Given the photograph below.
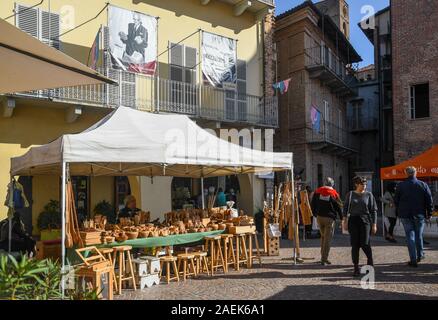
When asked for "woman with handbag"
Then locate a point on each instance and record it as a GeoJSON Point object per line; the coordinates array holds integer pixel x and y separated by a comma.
{"type": "Point", "coordinates": [390, 212]}
{"type": "Point", "coordinates": [360, 217]}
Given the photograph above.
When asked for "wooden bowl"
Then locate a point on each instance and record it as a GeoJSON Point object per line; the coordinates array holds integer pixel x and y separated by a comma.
{"type": "Point", "coordinates": [143, 234]}
{"type": "Point", "coordinates": [222, 226]}
{"type": "Point", "coordinates": [215, 227]}
{"type": "Point", "coordinates": [132, 235]}
{"type": "Point", "coordinates": [122, 238]}
{"type": "Point", "coordinates": [109, 239]}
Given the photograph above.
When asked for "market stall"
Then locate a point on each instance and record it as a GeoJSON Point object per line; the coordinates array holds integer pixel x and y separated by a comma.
{"type": "Point", "coordinates": [427, 169]}
{"type": "Point", "coordinates": [133, 143]}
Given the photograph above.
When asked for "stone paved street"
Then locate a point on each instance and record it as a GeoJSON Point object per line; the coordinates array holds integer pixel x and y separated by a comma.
{"type": "Point", "coordinates": [279, 279]}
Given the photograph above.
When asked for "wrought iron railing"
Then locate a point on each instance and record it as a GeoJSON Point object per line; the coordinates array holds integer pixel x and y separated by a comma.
{"type": "Point", "coordinates": [333, 134]}
{"type": "Point", "coordinates": [153, 94]}
{"type": "Point", "coordinates": [322, 56]}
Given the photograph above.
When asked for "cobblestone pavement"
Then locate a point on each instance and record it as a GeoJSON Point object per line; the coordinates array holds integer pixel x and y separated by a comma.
{"type": "Point", "coordinates": [279, 279]}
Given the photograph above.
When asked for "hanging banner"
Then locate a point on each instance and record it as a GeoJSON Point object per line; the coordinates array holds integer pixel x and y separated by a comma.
{"type": "Point", "coordinates": [219, 60]}
{"type": "Point", "coordinates": [133, 40]}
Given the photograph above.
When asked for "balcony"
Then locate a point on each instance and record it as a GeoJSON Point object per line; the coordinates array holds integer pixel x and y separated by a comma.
{"type": "Point", "coordinates": [152, 94]}
{"type": "Point", "coordinates": [332, 139]}
{"type": "Point", "coordinates": [322, 64]}
{"type": "Point", "coordinates": [362, 124]}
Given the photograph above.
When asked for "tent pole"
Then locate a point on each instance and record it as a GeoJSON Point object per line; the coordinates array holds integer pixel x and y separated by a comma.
{"type": "Point", "coordinates": [202, 193]}
{"type": "Point", "coordinates": [293, 212]}
{"type": "Point", "coordinates": [63, 209]}
{"type": "Point", "coordinates": [383, 208]}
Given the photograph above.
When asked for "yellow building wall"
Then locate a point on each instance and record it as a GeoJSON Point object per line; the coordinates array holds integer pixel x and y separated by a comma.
{"type": "Point", "coordinates": [177, 20]}
{"type": "Point", "coordinates": [34, 123]}
{"type": "Point", "coordinates": [31, 125]}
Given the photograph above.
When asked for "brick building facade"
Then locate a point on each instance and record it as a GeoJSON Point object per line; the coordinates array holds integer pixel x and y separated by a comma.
{"type": "Point", "coordinates": [315, 54]}
{"type": "Point", "coordinates": [415, 76]}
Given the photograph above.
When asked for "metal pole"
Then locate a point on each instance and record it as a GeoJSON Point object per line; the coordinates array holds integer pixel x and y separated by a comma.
{"type": "Point", "coordinates": [63, 209]}
{"type": "Point", "coordinates": [383, 208]}
{"type": "Point", "coordinates": [293, 211]}
{"type": "Point", "coordinates": [202, 193]}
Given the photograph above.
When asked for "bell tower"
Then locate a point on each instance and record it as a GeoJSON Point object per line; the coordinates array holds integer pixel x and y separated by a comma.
{"type": "Point", "coordinates": [339, 11]}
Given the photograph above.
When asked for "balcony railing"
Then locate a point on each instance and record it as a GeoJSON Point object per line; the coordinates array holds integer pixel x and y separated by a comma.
{"type": "Point", "coordinates": [331, 135]}
{"type": "Point", "coordinates": [149, 93]}
{"type": "Point", "coordinates": [363, 123]}
{"type": "Point", "coordinates": [324, 64]}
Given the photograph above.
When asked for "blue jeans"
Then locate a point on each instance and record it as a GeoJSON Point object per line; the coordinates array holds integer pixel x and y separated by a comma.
{"type": "Point", "coordinates": [414, 228]}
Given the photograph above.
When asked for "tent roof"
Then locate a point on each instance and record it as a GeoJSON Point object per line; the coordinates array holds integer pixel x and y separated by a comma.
{"type": "Point", "coordinates": [426, 164]}
{"type": "Point", "coordinates": [131, 142]}
{"type": "Point", "coordinates": [28, 64]}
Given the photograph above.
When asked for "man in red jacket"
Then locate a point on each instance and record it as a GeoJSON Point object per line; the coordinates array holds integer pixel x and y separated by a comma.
{"type": "Point", "coordinates": [326, 206]}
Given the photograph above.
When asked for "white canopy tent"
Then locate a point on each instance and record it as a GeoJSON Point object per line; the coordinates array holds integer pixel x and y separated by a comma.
{"type": "Point", "coordinates": [136, 143]}
{"type": "Point", "coordinates": [131, 142]}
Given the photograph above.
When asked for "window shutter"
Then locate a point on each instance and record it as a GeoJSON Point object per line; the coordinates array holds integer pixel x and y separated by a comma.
{"type": "Point", "coordinates": [242, 104]}
{"type": "Point", "coordinates": [190, 64]}
{"type": "Point", "coordinates": [28, 20]}
{"type": "Point", "coordinates": [50, 29]}
{"type": "Point", "coordinates": [106, 47]}
{"type": "Point", "coordinates": [176, 55]}
{"type": "Point", "coordinates": [128, 89]}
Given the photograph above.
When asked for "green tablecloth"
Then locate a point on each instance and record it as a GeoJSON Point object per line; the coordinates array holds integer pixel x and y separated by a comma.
{"type": "Point", "coordinates": [164, 241]}
{"type": "Point", "coordinates": [174, 240]}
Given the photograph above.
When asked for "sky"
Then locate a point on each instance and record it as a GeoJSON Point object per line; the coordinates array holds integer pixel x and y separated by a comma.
{"type": "Point", "coordinates": [361, 43]}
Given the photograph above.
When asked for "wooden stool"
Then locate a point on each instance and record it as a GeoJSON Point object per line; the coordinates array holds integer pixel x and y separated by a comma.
{"type": "Point", "coordinates": [258, 256]}
{"type": "Point", "coordinates": [188, 261]}
{"type": "Point", "coordinates": [124, 257]}
{"type": "Point", "coordinates": [216, 255]}
{"type": "Point", "coordinates": [241, 253]}
{"type": "Point", "coordinates": [96, 268]}
{"type": "Point", "coordinates": [201, 262]}
{"type": "Point", "coordinates": [169, 260]}
{"type": "Point", "coordinates": [228, 249]}
{"type": "Point", "coordinates": [108, 253]}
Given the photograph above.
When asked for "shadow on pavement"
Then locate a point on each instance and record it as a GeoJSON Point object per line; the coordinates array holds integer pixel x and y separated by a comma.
{"type": "Point", "coordinates": [336, 292]}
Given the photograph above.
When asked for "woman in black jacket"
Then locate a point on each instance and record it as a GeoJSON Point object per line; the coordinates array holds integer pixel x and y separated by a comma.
{"type": "Point", "coordinates": [360, 208]}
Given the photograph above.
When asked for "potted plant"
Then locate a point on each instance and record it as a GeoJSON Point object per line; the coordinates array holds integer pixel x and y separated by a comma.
{"type": "Point", "coordinates": [50, 221]}
{"type": "Point", "coordinates": [106, 209]}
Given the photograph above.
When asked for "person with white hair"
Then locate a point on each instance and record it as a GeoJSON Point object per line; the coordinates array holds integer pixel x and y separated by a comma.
{"type": "Point", "coordinates": [130, 209]}
{"type": "Point", "coordinates": [413, 200]}
{"type": "Point", "coordinates": [326, 206]}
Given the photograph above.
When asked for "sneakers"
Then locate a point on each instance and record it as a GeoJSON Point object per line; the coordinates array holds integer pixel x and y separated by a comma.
{"type": "Point", "coordinates": [413, 264]}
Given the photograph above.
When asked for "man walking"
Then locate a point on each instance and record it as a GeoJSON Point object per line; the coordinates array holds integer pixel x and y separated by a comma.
{"type": "Point", "coordinates": [326, 206]}
{"type": "Point", "coordinates": [413, 200]}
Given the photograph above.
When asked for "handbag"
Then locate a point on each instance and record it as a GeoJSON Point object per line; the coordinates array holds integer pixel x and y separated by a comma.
{"type": "Point", "coordinates": [345, 230]}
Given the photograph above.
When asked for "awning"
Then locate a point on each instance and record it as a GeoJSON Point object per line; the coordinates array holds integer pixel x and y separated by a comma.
{"type": "Point", "coordinates": [27, 64]}
{"type": "Point", "coordinates": [129, 142]}
{"type": "Point", "coordinates": [426, 164]}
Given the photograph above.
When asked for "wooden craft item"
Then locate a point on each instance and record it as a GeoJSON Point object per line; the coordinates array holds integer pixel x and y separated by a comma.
{"type": "Point", "coordinates": [306, 210]}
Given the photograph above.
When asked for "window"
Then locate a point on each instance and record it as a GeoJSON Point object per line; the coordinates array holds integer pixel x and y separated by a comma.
{"type": "Point", "coordinates": [183, 65]}
{"type": "Point", "coordinates": [420, 101]}
{"type": "Point", "coordinates": [43, 25]}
